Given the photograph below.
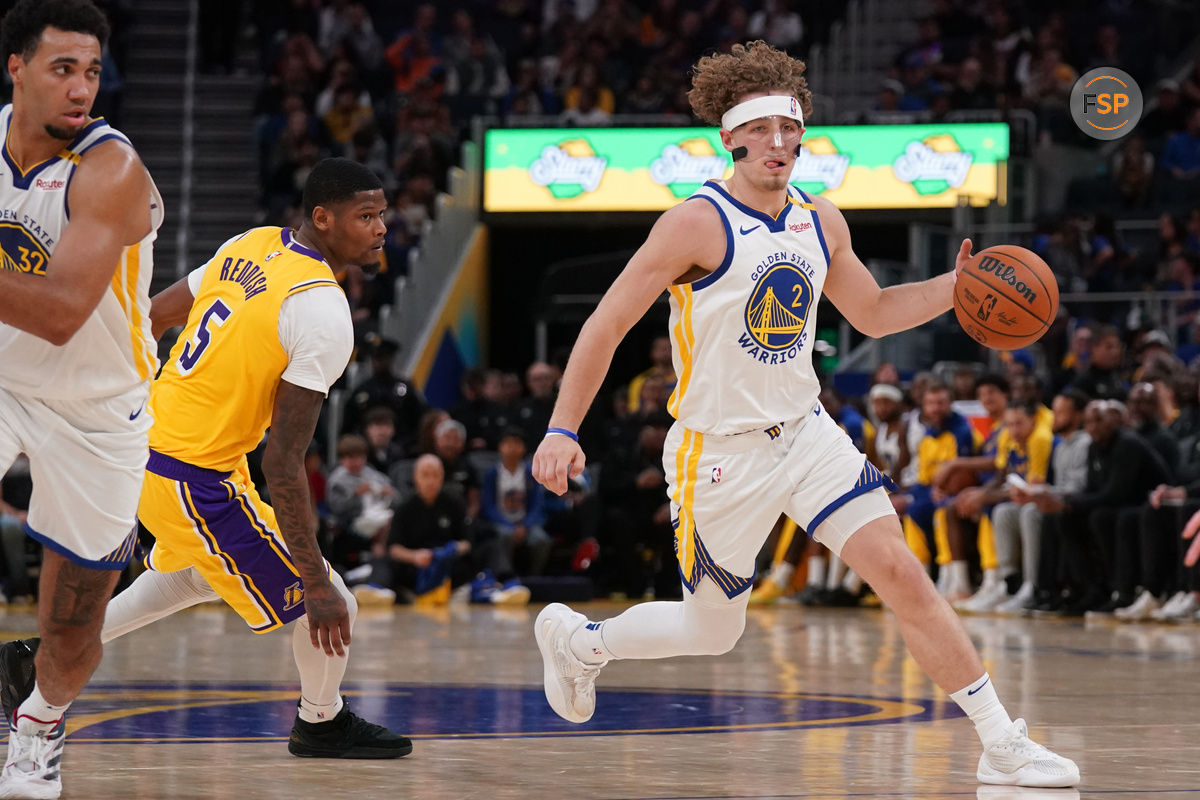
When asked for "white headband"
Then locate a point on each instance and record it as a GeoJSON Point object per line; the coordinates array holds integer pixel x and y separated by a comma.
{"type": "Point", "coordinates": [885, 390]}
{"type": "Point", "coordinates": [771, 105]}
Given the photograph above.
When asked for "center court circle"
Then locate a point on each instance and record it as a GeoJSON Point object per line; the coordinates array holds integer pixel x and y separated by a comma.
{"type": "Point", "coordinates": [215, 712]}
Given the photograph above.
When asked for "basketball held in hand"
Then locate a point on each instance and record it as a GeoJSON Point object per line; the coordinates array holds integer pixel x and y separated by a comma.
{"type": "Point", "coordinates": [1005, 297]}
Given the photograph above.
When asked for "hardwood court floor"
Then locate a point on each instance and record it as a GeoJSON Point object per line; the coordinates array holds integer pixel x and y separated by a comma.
{"type": "Point", "coordinates": [810, 704]}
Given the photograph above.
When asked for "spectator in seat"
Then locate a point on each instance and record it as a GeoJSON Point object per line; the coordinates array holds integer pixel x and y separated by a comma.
{"type": "Point", "coordinates": [533, 412]}
{"type": "Point", "coordinates": [661, 367]}
{"type": "Point", "coordinates": [359, 498]}
{"type": "Point", "coordinates": [515, 504]}
{"type": "Point", "coordinates": [1181, 156]}
{"type": "Point", "coordinates": [1102, 377]}
{"type": "Point", "coordinates": [482, 417]}
{"type": "Point", "coordinates": [428, 542]}
{"type": "Point", "coordinates": [380, 429]}
{"type": "Point", "coordinates": [637, 539]}
{"type": "Point", "coordinates": [384, 388]}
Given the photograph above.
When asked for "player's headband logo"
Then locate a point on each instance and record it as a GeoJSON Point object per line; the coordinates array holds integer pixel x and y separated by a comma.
{"type": "Point", "coordinates": [772, 105]}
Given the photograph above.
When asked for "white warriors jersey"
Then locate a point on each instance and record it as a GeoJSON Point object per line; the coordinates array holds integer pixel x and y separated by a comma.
{"type": "Point", "coordinates": [113, 351]}
{"type": "Point", "coordinates": [742, 336]}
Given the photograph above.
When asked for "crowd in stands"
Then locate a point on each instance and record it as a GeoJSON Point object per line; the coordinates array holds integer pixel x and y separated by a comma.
{"type": "Point", "coordinates": [1060, 485]}
{"type": "Point", "coordinates": [395, 85]}
{"type": "Point", "coordinates": [1051, 491]}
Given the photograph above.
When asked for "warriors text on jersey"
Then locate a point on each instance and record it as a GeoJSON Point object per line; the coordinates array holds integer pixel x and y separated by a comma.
{"type": "Point", "coordinates": [742, 336]}
{"type": "Point", "coordinates": [214, 399]}
{"type": "Point", "coordinates": [113, 351]}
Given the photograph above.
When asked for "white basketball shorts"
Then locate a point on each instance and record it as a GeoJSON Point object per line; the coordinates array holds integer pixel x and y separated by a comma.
{"type": "Point", "coordinates": [87, 460]}
{"type": "Point", "coordinates": [728, 491]}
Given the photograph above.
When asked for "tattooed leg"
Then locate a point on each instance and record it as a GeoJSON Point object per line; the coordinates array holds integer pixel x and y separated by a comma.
{"type": "Point", "coordinates": [71, 607]}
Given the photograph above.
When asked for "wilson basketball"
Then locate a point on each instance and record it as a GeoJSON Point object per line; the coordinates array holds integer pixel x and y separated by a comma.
{"type": "Point", "coordinates": [1006, 297]}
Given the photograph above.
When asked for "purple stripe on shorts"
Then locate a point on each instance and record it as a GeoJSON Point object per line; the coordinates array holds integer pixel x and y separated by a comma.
{"type": "Point", "coordinates": [238, 540]}
{"type": "Point", "coordinates": [178, 470]}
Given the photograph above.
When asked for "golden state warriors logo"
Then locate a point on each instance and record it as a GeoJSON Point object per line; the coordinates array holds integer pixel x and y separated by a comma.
{"type": "Point", "coordinates": [776, 314]}
{"type": "Point", "coordinates": [22, 253]}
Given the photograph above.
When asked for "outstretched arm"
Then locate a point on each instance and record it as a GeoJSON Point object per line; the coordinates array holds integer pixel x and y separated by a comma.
{"type": "Point", "coordinates": [170, 307]}
{"type": "Point", "coordinates": [109, 199]}
{"type": "Point", "coordinates": [686, 236]}
{"type": "Point", "coordinates": [292, 425]}
{"type": "Point", "coordinates": [870, 309]}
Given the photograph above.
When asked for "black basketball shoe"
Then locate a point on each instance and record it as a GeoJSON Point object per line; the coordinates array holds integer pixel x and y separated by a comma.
{"type": "Point", "coordinates": [346, 736]}
{"type": "Point", "coordinates": [17, 673]}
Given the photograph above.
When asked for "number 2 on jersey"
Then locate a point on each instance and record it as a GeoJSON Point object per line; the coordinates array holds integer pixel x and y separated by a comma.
{"type": "Point", "coordinates": [216, 314]}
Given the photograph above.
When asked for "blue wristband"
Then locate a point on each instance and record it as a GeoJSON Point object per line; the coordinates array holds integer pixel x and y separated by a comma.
{"type": "Point", "coordinates": [562, 432]}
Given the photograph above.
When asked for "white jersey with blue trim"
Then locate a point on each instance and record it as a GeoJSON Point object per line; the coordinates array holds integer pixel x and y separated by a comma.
{"type": "Point", "coordinates": [113, 351]}
{"type": "Point", "coordinates": [742, 336]}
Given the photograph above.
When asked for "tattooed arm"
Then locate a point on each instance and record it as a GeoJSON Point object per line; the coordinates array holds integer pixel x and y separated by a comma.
{"type": "Point", "coordinates": [292, 426]}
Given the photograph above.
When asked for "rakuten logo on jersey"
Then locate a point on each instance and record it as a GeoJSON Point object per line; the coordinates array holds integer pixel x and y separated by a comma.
{"type": "Point", "coordinates": [49, 185]}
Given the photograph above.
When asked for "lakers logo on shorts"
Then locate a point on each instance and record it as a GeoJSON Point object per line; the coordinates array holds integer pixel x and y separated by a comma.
{"type": "Point", "coordinates": [293, 596]}
{"type": "Point", "coordinates": [22, 252]}
{"type": "Point", "coordinates": [776, 314]}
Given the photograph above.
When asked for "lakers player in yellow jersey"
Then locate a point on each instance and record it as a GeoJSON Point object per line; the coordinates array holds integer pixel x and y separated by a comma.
{"type": "Point", "coordinates": [267, 331]}
{"type": "Point", "coordinates": [78, 217]}
{"type": "Point", "coordinates": [745, 261]}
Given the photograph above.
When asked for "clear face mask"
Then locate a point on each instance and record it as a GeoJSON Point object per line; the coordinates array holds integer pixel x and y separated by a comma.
{"type": "Point", "coordinates": [772, 133]}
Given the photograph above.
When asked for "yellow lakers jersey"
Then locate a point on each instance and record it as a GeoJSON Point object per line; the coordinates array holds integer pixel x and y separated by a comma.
{"type": "Point", "coordinates": [214, 399]}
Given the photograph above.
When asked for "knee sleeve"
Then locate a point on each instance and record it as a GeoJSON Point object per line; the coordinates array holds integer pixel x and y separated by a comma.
{"type": "Point", "coordinates": [712, 620]}
{"type": "Point", "coordinates": [704, 623]}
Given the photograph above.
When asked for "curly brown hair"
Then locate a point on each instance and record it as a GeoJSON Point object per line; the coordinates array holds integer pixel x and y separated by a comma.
{"type": "Point", "coordinates": [719, 81]}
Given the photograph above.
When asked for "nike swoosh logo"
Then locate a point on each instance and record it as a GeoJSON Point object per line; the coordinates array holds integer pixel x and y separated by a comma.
{"type": "Point", "coordinates": [135, 414]}
{"type": "Point", "coordinates": [744, 231]}
{"type": "Point", "coordinates": [979, 687]}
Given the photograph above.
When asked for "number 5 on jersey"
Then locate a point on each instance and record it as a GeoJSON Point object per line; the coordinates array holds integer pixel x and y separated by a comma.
{"type": "Point", "coordinates": [216, 314]}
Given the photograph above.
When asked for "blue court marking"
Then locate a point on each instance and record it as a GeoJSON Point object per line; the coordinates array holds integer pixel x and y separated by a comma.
{"type": "Point", "coordinates": [225, 712]}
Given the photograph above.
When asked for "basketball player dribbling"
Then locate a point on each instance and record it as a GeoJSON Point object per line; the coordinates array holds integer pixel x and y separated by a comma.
{"type": "Point", "coordinates": [745, 261]}
{"type": "Point", "coordinates": [78, 216]}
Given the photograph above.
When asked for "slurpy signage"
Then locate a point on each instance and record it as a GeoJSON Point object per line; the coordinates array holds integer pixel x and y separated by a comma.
{"type": "Point", "coordinates": [651, 169]}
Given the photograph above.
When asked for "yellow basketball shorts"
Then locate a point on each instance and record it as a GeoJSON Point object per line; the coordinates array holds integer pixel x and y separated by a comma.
{"type": "Point", "coordinates": [217, 523]}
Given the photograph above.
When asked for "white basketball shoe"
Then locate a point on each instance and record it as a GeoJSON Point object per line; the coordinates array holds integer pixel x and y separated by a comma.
{"type": "Point", "coordinates": [570, 683]}
{"type": "Point", "coordinates": [32, 767]}
{"type": "Point", "coordinates": [1017, 760]}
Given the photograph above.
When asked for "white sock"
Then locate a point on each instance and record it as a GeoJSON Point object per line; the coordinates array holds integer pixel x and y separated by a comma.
{"type": "Point", "coordinates": [587, 643]}
{"type": "Point", "coordinates": [852, 583]}
{"type": "Point", "coordinates": [959, 581]}
{"type": "Point", "coordinates": [816, 570]}
{"type": "Point", "coordinates": [978, 699]}
{"type": "Point", "coordinates": [321, 675]}
{"type": "Point", "coordinates": [782, 574]}
{"type": "Point", "coordinates": [705, 622]}
{"type": "Point", "coordinates": [152, 596]}
{"type": "Point", "coordinates": [36, 715]}
{"type": "Point", "coordinates": [836, 568]}
{"type": "Point", "coordinates": [991, 577]}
